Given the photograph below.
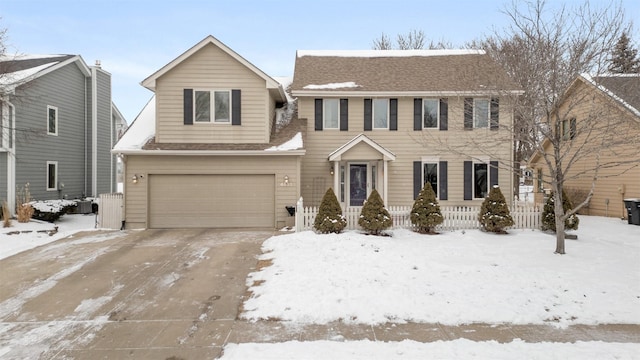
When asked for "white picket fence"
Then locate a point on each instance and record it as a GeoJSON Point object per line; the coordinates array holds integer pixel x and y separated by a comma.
{"type": "Point", "coordinates": [110, 211]}
{"type": "Point", "coordinates": [455, 217]}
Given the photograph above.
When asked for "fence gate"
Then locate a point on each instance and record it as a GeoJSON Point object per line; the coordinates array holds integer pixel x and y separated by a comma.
{"type": "Point", "coordinates": [110, 214]}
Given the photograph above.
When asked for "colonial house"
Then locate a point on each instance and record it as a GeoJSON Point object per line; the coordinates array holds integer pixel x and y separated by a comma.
{"type": "Point", "coordinates": [396, 120]}
{"type": "Point", "coordinates": [589, 104]}
{"type": "Point", "coordinates": [208, 150]}
{"type": "Point", "coordinates": [58, 127]}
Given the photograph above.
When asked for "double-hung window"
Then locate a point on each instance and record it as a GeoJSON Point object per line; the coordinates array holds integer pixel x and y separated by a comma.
{"type": "Point", "coordinates": [569, 129]}
{"type": "Point", "coordinates": [331, 113]}
{"type": "Point", "coordinates": [212, 106]}
{"type": "Point", "coordinates": [52, 120]}
{"type": "Point", "coordinates": [480, 180]}
{"type": "Point", "coordinates": [430, 113]}
{"type": "Point", "coordinates": [380, 113]}
{"type": "Point", "coordinates": [52, 175]}
{"type": "Point", "coordinates": [430, 175]}
{"type": "Point", "coordinates": [480, 113]}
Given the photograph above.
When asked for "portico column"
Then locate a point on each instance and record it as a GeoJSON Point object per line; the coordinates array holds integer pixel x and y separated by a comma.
{"type": "Point", "coordinates": [336, 178]}
{"type": "Point", "coordinates": [385, 187]}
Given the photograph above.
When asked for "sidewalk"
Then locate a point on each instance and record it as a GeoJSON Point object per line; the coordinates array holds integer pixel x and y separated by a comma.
{"type": "Point", "coordinates": [276, 331]}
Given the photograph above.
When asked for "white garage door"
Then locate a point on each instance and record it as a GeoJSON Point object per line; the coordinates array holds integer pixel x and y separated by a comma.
{"type": "Point", "coordinates": [211, 201]}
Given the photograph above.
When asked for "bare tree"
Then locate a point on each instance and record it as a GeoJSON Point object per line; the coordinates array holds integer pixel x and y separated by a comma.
{"type": "Point", "coordinates": [558, 118]}
{"type": "Point", "coordinates": [413, 40]}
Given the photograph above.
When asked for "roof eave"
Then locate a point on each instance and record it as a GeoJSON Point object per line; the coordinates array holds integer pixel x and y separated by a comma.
{"type": "Point", "coordinates": [355, 93]}
{"type": "Point", "coordinates": [298, 152]}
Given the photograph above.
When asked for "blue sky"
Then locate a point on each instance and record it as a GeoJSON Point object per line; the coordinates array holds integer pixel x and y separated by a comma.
{"type": "Point", "coordinates": [135, 38]}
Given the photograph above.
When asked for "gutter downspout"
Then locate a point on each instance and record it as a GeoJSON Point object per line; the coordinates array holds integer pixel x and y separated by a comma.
{"type": "Point", "coordinates": [11, 156]}
{"type": "Point", "coordinates": [94, 131]}
{"type": "Point", "coordinates": [86, 119]}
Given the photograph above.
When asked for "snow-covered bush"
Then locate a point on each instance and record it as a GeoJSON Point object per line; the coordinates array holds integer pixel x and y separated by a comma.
{"type": "Point", "coordinates": [549, 214]}
{"type": "Point", "coordinates": [426, 214]}
{"type": "Point", "coordinates": [374, 218]}
{"type": "Point", "coordinates": [494, 214]}
{"type": "Point", "coordinates": [51, 210]}
{"type": "Point", "coordinates": [330, 218]}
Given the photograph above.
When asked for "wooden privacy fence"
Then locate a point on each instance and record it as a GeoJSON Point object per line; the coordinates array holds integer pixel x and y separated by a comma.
{"type": "Point", "coordinates": [455, 217]}
{"type": "Point", "coordinates": [110, 211]}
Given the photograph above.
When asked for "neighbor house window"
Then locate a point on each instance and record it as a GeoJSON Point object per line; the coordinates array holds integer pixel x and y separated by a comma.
{"type": "Point", "coordinates": [480, 113]}
{"type": "Point", "coordinates": [52, 175]}
{"type": "Point", "coordinates": [569, 129]}
{"type": "Point", "coordinates": [540, 183]}
{"type": "Point", "coordinates": [430, 111]}
{"type": "Point", "coordinates": [217, 103]}
{"type": "Point", "coordinates": [52, 120]}
{"type": "Point", "coordinates": [380, 113]}
{"type": "Point", "coordinates": [430, 175]}
{"type": "Point", "coordinates": [331, 113]}
{"type": "Point", "coordinates": [480, 180]}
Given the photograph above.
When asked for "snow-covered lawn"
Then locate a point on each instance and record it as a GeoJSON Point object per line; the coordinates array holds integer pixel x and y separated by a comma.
{"type": "Point", "coordinates": [36, 233]}
{"type": "Point", "coordinates": [407, 349]}
{"type": "Point", "coordinates": [452, 278]}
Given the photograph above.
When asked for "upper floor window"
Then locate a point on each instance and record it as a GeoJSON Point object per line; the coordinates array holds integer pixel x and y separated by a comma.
{"type": "Point", "coordinates": [216, 102]}
{"type": "Point", "coordinates": [52, 175]}
{"type": "Point", "coordinates": [430, 112]}
{"type": "Point", "coordinates": [380, 113]}
{"type": "Point", "coordinates": [331, 113]}
{"type": "Point", "coordinates": [480, 113]}
{"type": "Point", "coordinates": [52, 120]}
{"type": "Point", "coordinates": [569, 129]}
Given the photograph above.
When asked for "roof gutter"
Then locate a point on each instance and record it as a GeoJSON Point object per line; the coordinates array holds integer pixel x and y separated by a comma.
{"type": "Point", "coordinates": [356, 93]}
{"type": "Point", "coordinates": [299, 152]}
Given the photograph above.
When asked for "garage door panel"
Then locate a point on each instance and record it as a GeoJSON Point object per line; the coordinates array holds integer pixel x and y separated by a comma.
{"type": "Point", "coordinates": [205, 201]}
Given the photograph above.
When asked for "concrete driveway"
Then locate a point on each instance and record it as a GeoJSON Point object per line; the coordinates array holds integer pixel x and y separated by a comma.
{"type": "Point", "coordinates": [153, 294]}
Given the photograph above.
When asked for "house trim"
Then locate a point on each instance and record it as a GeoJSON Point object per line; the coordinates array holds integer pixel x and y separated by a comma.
{"type": "Point", "coordinates": [397, 94]}
{"type": "Point", "coordinates": [210, 152]}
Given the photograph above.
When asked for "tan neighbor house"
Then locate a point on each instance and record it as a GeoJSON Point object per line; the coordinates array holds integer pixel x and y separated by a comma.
{"type": "Point", "coordinates": [389, 120]}
{"type": "Point", "coordinates": [204, 151]}
{"type": "Point", "coordinates": [365, 121]}
{"type": "Point", "coordinates": [614, 98]}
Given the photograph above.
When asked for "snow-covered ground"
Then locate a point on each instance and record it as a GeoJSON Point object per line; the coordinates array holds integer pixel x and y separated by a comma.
{"type": "Point", "coordinates": [456, 349]}
{"type": "Point", "coordinates": [457, 277]}
{"type": "Point", "coordinates": [36, 233]}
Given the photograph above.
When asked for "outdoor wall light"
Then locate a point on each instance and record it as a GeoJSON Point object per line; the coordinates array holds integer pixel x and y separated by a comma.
{"type": "Point", "coordinates": [331, 170]}
{"type": "Point", "coordinates": [134, 179]}
{"type": "Point", "coordinates": [286, 179]}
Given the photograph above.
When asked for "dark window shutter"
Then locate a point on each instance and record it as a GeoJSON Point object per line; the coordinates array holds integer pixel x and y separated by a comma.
{"type": "Point", "coordinates": [493, 173]}
{"type": "Point", "coordinates": [572, 128]}
{"type": "Point", "coordinates": [344, 114]}
{"type": "Point", "coordinates": [468, 180]}
{"type": "Point", "coordinates": [368, 114]}
{"type": "Point", "coordinates": [393, 114]}
{"type": "Point", "coordinates": [188, 106]}
{"type": "Point", "coordinates": [236, 106]}
{"type": "Point", "coordinates": [318, 114]}
{"type": "Point", "coordinates": [468, 113]}
{"type": "Point", "coordinates": [442, 181]}
{"type": "Point", "coordinates": [417, 114]}
{"type": "Point", "coordinates": [444, 114]}
{"type": "Point", "coordinates": [494, 112]}
{"type": "Point", "coordinates": [417, 178]}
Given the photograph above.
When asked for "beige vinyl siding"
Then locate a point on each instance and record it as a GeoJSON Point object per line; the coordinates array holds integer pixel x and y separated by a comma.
{"type": "Point", "coordinates": [408, 146]}
{"type": "Point", "coordinates": [213, 69]}
{"type": "Point", "coordinates": [136, 201]}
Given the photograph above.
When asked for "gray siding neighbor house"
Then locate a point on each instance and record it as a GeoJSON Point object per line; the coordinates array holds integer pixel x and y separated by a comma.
{"type": "Point", "coordinates": [58, 125]}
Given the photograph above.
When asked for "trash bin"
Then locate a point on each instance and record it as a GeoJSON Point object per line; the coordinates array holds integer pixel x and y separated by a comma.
{"type": "Point", "coordinates": [633, 210]}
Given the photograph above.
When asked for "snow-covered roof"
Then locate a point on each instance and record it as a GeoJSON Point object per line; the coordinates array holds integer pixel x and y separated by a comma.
{"type": "Point", "coordinates": [624, 88]}
{"type": "Point", "coordinates": [387, 53]}
{"type": "Point", "coordinates": [20, 69]}
{"type": "Point", "coordinates": [141, 130]}
{"type": "Point", "coordinates": [342, 85]}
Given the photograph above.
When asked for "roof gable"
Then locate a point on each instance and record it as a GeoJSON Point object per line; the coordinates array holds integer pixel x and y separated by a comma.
{"type": "Point", "coordinates": [623, 88]}
{"type": "Point", "coordinates": [401, 71]}
{"type": "Point", "coordinates": [25, 68]}
{"type": "Point", "coordinates": [361, 138]}
{"type": "Point", "coordinates": [150, 82]}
